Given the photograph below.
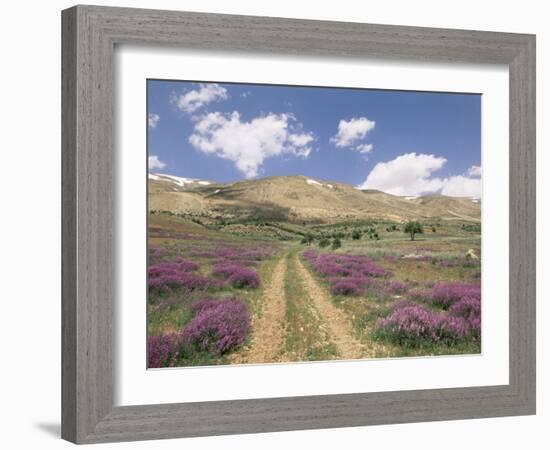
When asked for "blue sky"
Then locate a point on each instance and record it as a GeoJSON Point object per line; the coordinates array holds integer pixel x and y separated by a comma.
{"type": "Point", "coordinates": [404, 143]}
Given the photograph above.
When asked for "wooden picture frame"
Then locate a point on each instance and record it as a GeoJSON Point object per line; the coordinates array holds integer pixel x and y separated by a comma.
{"type": "Point", "coordinates": [90, 34]}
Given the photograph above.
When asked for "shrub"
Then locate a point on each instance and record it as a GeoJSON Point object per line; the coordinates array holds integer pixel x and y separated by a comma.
{"type": "Point", "coordinates": [324, 243]}
{"type": "Point", "coordinates": [237, 275]}
{"type": "Point", "coordinates": [356, 235]}
{"type": "Point", "coordinates": [236, 253]}
{"type": "Point", "coordinates": [244, 278]}
{"type": "Point", "coordinates": [225, 269]}
{"type": "Point", "coordinates": [218, 325]}
{"type": "Point", "coordinates": [187, 282]}
{"type": "Point", "coordinates": [396, 287]}
{"type": "Point", "coordinates": [445, 294]}
{"type": "Point", "coordinates": [345, 287]}
{"type": "Point", "coordinates": [347, 274]}
{"type": "Point", "coordinates": [166, 276]}
{"type": "Point", "coordinates": [310, 255]}
{"type": "Point", "coordinates": [413, 325]}
{"type": "Point", "coordinates": [469, 309]}
{"type": "Point", "coordinates": [336, 243]}
{"type": "Point", "coordinates": [332, 264]}
{"type": "Point", "coordinates": [466, 307]}
{"type": "Point", "coordinates": [173, 267]}
{"type": "Point", "coordinates": [163, 350]}
{"type": "Point", "coordinates": [401, 304]}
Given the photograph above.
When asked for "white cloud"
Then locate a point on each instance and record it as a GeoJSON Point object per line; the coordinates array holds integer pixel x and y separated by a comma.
{"type": "Point", "coordinates": [461, 186]}
{"type": "Point", "coordinates": [351, 131]}
{"type": "Point", "coordinates": [248, 144]}
{"type": "Point", "coordinates": [246, 94]}
{"type": "Point", "coordinates": [153, 120]}
{"type": "Point", "coordinates": [411, 174]}
{"type": "Point", "coordinates": [364, 148]}
{"type": "Point", "coordinates": [474, 171]}
{"type": "Point", "coordinates": [155, 163]}
{"type": "Point", "coordinates": [191, 101]}
{"type": "Point", "coordinates": [408, 174]}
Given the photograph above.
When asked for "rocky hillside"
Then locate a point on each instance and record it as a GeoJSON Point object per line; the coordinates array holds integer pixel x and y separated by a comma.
{"type": "Point", "coordinates": [298, 198]}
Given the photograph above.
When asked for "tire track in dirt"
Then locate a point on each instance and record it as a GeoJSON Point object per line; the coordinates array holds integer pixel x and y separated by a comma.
{"type": "Point", "coordinates": [339, 328]}
{"type": "Point", "coordinates": [267, 329]}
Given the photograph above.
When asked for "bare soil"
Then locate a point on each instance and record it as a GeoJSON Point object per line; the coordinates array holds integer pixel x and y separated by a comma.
{"type": "Point", "coordinates": [268, 326]}
{"type": "Point", "coordinates": [339, 328]}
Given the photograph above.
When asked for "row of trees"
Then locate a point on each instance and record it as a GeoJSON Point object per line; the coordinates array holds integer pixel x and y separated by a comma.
{"type": "Point", "coordinates": [412, 228]}
{"type": "Point", "coordinates": [323, 242]}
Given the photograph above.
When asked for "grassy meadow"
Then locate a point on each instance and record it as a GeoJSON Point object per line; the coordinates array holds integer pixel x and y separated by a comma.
{"type": "Point", "coordinates": [259, 290]}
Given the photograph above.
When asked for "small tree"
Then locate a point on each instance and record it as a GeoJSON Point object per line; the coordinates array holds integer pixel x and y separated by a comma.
{"type": "Point", "coordinates": [412, 227]}
{"type": "Point", "coordinates": [324, 243]}
{"type": "Point", "coordinates": [356, 235]}
{"type": "Point", "coordinates": [307, 239]}
{"type": "Point", "coordinates": [336, 243]}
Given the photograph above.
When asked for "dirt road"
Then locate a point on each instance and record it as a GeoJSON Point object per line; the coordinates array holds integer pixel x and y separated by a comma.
{"type": "Point", "coordinates": [339, 328]}
{"type": "Point", "coordinates": [267, 328]}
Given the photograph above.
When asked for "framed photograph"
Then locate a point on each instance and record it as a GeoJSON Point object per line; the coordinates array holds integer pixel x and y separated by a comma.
{"type": "Point", "coordinates": [268, 222]}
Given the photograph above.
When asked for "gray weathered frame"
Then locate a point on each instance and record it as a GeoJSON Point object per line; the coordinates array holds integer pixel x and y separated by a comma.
{"type": "Point", "coordinates": [89, 36]}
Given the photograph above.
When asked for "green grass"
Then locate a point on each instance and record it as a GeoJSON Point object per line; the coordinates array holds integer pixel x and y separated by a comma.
{"type": "Point", "coordinates": [363, 312]}
{"type": "Point", "coordinates": [183, 238]}
{"type": "Point", "coordinates": [306, 338]}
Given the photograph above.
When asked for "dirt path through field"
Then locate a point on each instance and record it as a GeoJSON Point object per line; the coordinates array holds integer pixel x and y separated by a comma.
{"type": "Point", "coordinates": [340, 329]}
{"type": "Point", "coordinates": [267, 329]}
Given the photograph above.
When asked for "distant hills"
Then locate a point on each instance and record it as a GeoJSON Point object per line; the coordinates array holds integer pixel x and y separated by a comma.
{"type": "Point", "coordinates": [300, 198]}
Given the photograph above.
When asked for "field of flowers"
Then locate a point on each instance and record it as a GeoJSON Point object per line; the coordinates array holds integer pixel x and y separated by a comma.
{"type": "Point", "coordinates": [218, 298]}
{"type": "Point", "coordinates": [201, 290]}
{"type": "Point", "coordinates": [412, 317]}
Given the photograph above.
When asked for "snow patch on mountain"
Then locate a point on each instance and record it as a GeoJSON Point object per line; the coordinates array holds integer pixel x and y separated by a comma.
{"type": "Point", "coordinates": [180, 181]}
{"type": "Point", "coordinates": [310, 181]}
{"type": "Point", "coordinates": [315, 182]}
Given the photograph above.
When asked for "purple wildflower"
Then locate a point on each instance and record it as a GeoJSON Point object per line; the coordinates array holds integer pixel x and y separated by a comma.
{"type": "Point", "coordinates": [162, 351]}
{"type": "Point", "coordinates": [396, 287]}
{"type": "Point", "coordinates": [345, 287]}
{"type": "Point", "coordinates": [168, 281]}
{"type": "Point", "coordinates": [347, 274]}
{"type": "Point", "coordinates": [413, 324]}
{"type": "Point", "coordinates": [446, 294]}
{"type": "Point", "coordinates": [244, 278]}
{"type": "Point", "coordinates": [238, 276]}
{"type": "Point", "coordinates": [218, 325]}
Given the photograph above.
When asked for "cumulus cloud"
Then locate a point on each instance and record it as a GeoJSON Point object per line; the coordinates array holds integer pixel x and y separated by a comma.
{"type": "Point", "coordinates": [412, 174]}
{"type": "Point", "coordinates": [408, 174]}
{"type": "Point", "coordinates": [351, 132]}
{"type": "Point", "coordinates": [249, 144]}
{"type": "Point", "coordinates": [155, 163]}
{"type": "Point", "coordinates": [462, 186]}
{"type": "Point", "coordinates": [191, 101]}
{"type": "Point", "coordinates": [474, 171]}
{"type": "Point", "coordinates": [153, 120]}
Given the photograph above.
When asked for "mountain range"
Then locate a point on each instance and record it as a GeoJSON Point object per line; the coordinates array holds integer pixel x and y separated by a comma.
{"type": "Point", "coordinates": [300, 198]}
